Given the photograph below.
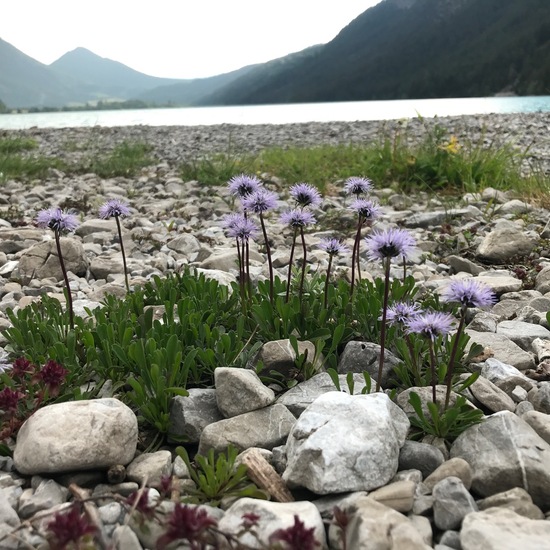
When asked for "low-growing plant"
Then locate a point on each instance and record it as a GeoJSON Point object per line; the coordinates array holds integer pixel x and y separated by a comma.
{"type": "Point", "coordinates": [126, 159]}
{"type": "Point", "coordinates": [217, 478]}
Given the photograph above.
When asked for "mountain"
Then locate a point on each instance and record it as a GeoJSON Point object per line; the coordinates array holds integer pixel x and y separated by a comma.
{"type": "Point", "coordinates": [26, 82]}
{"type": "Point", "coordinates": [413, 49]}
{"type": "Point", "coordinates": [104, 77]}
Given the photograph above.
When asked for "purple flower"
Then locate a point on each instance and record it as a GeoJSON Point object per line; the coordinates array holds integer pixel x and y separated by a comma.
{"type": "Point", "coordinates": [243, 185]}
{"type": "Point", "coordinates": [113, 209]}
{"type": "Point", "coordinates": [69, 527]}
{"type": "Point", "coordinates": [297, 218]}
{"type": "Point", "coordinates": [306, 195]}
{"type": "Point", "coordinates": [431, 324]}
{"type": "Point", "coordinates": [56, 220]}
{"type": "Point", "coordinates": [333, 247]}
{"type": "Point", "coordinates": [357, 186]}
{"type": "Point", "coordinates": [469, 293]}
{"type": "Point", "coordinates": [401, 313]}
{"type": "Point", "coordinates": [240, 228]}
{"type": "Point", "coordinates": [260, 201]}
{"type": "Point", "coordinates": [189, 523]}
{"type": "Point", "coordinates": [390, 244]}
{"type": "Point", "coordinates": [368, 210]}
{"type": "Point", "coordinates": [9, 399]}
{"type": "Point", "coordinates": [296, 537]}
{"type": "Point", "coordinates": [52, 374]}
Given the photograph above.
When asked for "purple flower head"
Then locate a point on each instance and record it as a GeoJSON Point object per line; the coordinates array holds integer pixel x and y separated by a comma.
{"type": "Point", "coordinates": [306, 195]}
{"type": "Point", "coordinates": [390, 244]}
{"type": "Point", "coordinates": [368, 210]}
{"type": "Point", "coordinates": [69, 527]}
{"type": "Point", "coordinates": [260, 201]}
{"type": "Point", "coordinates": [113, 209]}
{"type": "Point", "coordinates": [333, 247]}
{"type": "Point", "coordinates": [56, 220]}
{"type": "Point", "coordinates": [431, 324]}
{"type": "Point", "coordinates": [243, 185]}
{"type": "Point", "coordinates": [9, 399]}
{"type": "Point", "coordinates": [401, 313]}
{"type": "Point", "coordinates": [297, 218]}
{"type": "Point", "coordinates": [357, 186]}
{"type": "Point", "coordinates": [186, 523]}
{"type": "Point", "coordinates": [469, 293]}
{"type": "Point", "coordinates": [296, 536]}
{"type": "Point", "coordinates": [239, 227]}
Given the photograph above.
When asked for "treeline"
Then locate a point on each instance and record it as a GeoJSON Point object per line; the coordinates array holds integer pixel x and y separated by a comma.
{"type": "Point", "coordinates": [99, 106]}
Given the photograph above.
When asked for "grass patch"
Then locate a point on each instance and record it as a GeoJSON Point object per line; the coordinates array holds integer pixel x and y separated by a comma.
{"type": "Point", "coordinates": [16, 145]}
{"type": "Point", "coordinates": [23, 168]}
{"type": "Point", "coordinates": [217, 169]}
{"type": "Point", "coordinates": [125, 159]}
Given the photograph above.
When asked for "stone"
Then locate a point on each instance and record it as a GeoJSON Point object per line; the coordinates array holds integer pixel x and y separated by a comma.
{"type": "Point", "coordinates": [149, 468]}
{"type": "Point", "coordinates": [47, 494]}
{"type": "Point", "coordinates": [541, 398]}
{"type": "Point", "coordinates": [503, 349]}
{"type": "Point", "coordinates": [365, 356]}
{"type": "Point", "coordinates": [272, 517]}
{"type": "Point", "coordinates": [542, 281]}
{"type": "Point", "coordinates": [505, 376]}
{"type": "Point", "coordinates": [491, 396]}
{"type": "Point", "coordinates": [398, 495]}
{"type": "Point", "coordinates": [420, 456]}
{"type": "Point", "coordinates": [500, 281]}
{"type": "Point", "coordinates": [452, 503]}
{"type": "Point", "coordinates": [239, 391]}
{"type": "Point", "coordinates": [101, 268]}
{"type": "Point", "coordinates": [523, 333]}
{"type": "Point", "coordinates": [540, 422]}
{"type": "Point", "coordinates": [517, 500]}
{"type": "Point", "coordinates": [454, 467]}
{"type": "Point", "coordinates": [501, 245]}
{"type": "Point", "coordinates": [76, 435]}
{"type": "Point", "coordinates": [41, 260]}
{"type": "Point", "coordinates": [502, 529]}
{"type": "Point", "coordinates": [505, 452]}
{"type": "Point", "coordinates": [265, 428]}
{"type": "Point", "coordinates": [190, 414]}
{"type": "Point", "coordinates": [345, 443]}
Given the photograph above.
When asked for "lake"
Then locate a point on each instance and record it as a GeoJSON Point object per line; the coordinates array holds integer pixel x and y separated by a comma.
{"type": "Point", "coordinates": [281, 114]}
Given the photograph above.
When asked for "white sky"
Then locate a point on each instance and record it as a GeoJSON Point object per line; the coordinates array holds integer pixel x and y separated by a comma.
{"type": "Point", "coordinates": [175, 38]}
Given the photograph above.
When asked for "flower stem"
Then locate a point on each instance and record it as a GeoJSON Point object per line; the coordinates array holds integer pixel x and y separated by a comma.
{"type": "Point", "coordinates": [450, 368]}
{"type": "Point", "coordinates": [432, 367]}
{"type": "Point", "coordinates": [303, 261]}
{"type": "Point", "coordinates": [66, 278]}
{"type": "Point", "coordinates": [123, 253]}
{"type": "Point", "coordinates": [384, 315]}
{"type": "Point", "coordinates": [268, 254]}
{"type": "Point", "coordinates": [328, 279]}
{"type": "Point", "coordinates": [290, 264]}
{"type": "Point", "coordinates": [355, 254]}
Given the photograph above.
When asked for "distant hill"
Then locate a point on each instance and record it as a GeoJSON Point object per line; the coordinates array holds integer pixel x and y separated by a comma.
{"type": "Point", "coordinates": [416, 49]}
{"type": "Point", "coordinates": [104, 77]}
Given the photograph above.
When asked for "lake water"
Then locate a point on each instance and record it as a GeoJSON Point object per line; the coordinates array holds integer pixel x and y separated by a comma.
{"type": "Point", "coordinates": [281, 114]}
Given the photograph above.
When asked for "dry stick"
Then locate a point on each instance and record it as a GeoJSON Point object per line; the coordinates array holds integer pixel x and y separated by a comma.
{"type": "Point", "coordinates": [450, 368]}
{"type": "Point", "coordinates": [65, 276]}
{"type": "Point", "coordinates": [123, 253]}
{"type": "Point", "coordinates": [91, 512]}
{"type": "Point", "coordinates": [383, 327]}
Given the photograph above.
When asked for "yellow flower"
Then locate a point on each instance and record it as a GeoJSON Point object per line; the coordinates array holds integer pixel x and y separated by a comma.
{"type": "Point", "coordinates": [452, 147]}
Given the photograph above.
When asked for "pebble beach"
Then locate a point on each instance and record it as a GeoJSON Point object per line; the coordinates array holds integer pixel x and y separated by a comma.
{"type": "Point", "coordinates": [493, 484]}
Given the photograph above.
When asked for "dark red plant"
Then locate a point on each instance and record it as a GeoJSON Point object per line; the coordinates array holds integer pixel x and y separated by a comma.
{"type": "Point", "coordinates": [68, 527]}
{"type": "Point", "coordinates": [296, 537]}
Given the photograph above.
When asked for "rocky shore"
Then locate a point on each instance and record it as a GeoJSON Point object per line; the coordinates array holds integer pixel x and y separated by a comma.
{"type": "Point", "coordinates": [490, 489]}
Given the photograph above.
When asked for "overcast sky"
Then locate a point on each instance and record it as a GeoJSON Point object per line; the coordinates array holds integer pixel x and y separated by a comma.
{"type": "Point", "coordinates": [175, 38]}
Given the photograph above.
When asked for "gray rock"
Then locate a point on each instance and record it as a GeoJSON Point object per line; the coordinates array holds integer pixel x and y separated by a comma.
{"type": "Point", "coordinates": [77, 435]}
{"type": "Point", "coordinates": [505, 452]}
{"type": "Point", "coordinates": [420, 456]}
{"type": "Point", "coordinates": [541, 398]}
{"type": "Point", "coordinates": [452, 503]}
{"type": "Point", "coordinates": [398, 495]}
{"type": "Point", "coordinates": [345, 443]}
{"type": "Point", "coordinates": [454, 467]}
{"type": "Point", "coordinates": [149, 468]}
{"type": "Point", "coordinates": [518, 500]}
{"type": "Point", "coordinates": [189, 415]}
{"type": "Point", "coordinates": [540, 422]}
{"type": "Point", "coordinates": [47, 494]}
{"type": "Point", "coordinates": [501, 529]}
{"type": "Point", "coordinates": [459, 264]}
{"type": "Point", "coordinates": [239, 391]}
{"type": "Point", "coordinates": [365, 356]}
{"type": "Point", "coordinates": [503, 244]}
{"type": "Point", "coordinates": [265, 428]}
{"type": "Point", "coordinates": [505, 376]}
{"type": "Point", "coordinates": [500, 281]}
{"type": "Point", "coordinates": [542, 282]}
{"type": "Point", "coordinates": [523, 333]}
{"type": "Point", "coordinates": [491, 396]}
{"type": "Point", "coordinates": [101, 268]}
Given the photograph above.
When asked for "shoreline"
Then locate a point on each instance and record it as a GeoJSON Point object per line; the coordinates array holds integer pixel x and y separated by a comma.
{"type": "Point", "coordinates": [529, 133]}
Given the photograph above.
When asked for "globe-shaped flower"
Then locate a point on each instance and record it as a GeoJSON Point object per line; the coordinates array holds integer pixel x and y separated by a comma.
{"type": "Point", "coordinates": [240, 228]}
{"type": "Point", "coordinates": [469, 293]}
{"type": "Point", "coordinates": [260, 201]}
{"type": "Point", "coordinates": [306, 195]}
{"type": "Point", "coordinates": [357, 186]}
{"type": "Point", "coordinates": [56, 220]}
{"type": "Point", "coordinates": [333, 247]}
{"type": "Point", "coordinates": [113, 209]}
{"type": "Point", "coordinates": [244, 185]}
{"type": "Point", "coordinates": [431, 324]}
{"type": "Point", "coordinates": [297, 218]}
{"type": "Point", "coordinates": [401, 313]}
{"type": "Point", "coordinates": [367, 209]}
{"type": "Point", "coordinates": [390, 243]}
